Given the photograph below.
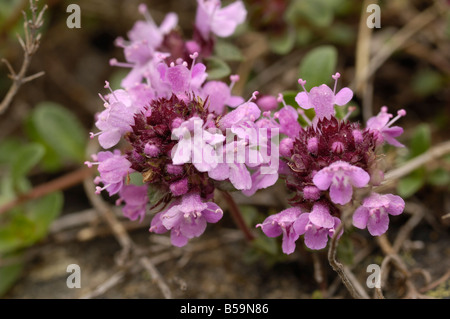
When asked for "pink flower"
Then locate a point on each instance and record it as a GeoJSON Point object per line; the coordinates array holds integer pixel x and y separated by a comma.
{"type": "Point", "coordinates": [136, 199]}
{"type": "Point", "coordinates": [375, 210]}
{"type": "Point", "coordinates": [199, 147]}
{"type": "Point", "coordinates": [282, 223]}
{"type": "Point", "coordinates": [113, 168]}
{"type": "Point", "coordinates": [186, 219]}
{"type": "Point", "coordinates": [323, 99]}
{"type": "Point", "coordinates": [181, 80]}
{"type": "Point", "coordinates": [339, 177]}
{"type": "Point", "coordinates": [381, 125]}
{"type": "Point", "coordinates": [116, 119]}
{"type": "Point", "coordinates": [219, 96]}
{"type": "Point", "coordinates": [222, 22]}
{"type": "Point", "coordinates": [316, 237]}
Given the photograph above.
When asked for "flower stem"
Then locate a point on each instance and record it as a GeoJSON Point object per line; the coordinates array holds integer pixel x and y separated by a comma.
{"type": "Point", "coordinates": [338, 267]}
{"type": "Point", "coordinates": [237, 216]}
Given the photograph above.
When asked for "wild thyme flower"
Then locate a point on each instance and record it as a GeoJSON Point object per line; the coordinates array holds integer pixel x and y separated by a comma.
{"type": "Point", "coordinates": [326, 160]}
{"type": "Point", "coordinates": [375, 210]}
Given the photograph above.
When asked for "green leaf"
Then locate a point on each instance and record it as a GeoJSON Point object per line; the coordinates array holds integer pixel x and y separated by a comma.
{"type": "Point", "coordinates": [16, 234]}
{"type": "Point", "coordinates": [318, 66]}
{"type": "Point", "coordinates": [410, 184]}
{"type": "Point", "coordinates": [155, 193]}
{"type": "Point", "coordinates": [51, 161]}
{"type": "Point", "coordinates": [9, 275]}
{"type": "Point", "coordinates": [227, 51]}
{"type": "Point", "coordinates": [136, 179]}
{"type": "Point", "coordinates": [439, 177]}
{"type": "Point", "coordinates": [282, 43]}
{"type": "Point", "coordinates": [217, 68]}
{"type": "Point", "coordinates": [8, 150]}
{"type": "Point", "coordinates": [26, 158]}
{"type": "Point", "coordinates": [421, 140]}
{"type": "Point", "coordinates": [318, 12]}
{"type": "Point", "coordinates": [60, 129]}
{"type": "Point", "coordinates": [43, 212]}
{"type": "Point", "coordinates": [427, 82]}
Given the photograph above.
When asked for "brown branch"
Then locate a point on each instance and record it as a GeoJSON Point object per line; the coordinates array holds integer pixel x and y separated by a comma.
{"type": "Point", "coordinates": [237, 216]}
{"type": "Point", "coordinates": [30, 45]}
{"type": "Point", "coordinates": [60, 183]}
{"type": "Point", "coordinates": [338, 267]}
{"type": "Point", "coordinates": [406, 168]}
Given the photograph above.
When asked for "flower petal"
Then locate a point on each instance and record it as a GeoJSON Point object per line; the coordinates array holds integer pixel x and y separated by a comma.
{"type": "Point", "coordinates": [213, 213]}
{"type": "Point", "coordinates": [341, 193]}
{"type": "Point", "coordinates": [301, 223]}
{"type": "Point", "coordinates": [177, 238]}
{"type": "Point", "coordinates": [396, 204]}
{"type": "Point", "coordinates": [343, 96]}
{"type": "Point", "coordinates": [316, 238]}
{"type": "Point", "coordinates": [240, 177]}
{"type": "Point", "coordinates": [322, 179]}
{"type": "Point", "coordinates": [360, 217]}
{"type": "Point", "coordinates": [358, 177]}
{"type": "Point", "coordinates": [320, 216]}
{"type": "Point", "coordinates": [289, 239]}
{"type": "Point", "coordinates": [193, 226]}
{"type": "Point", "coordinates": [378, 223]}
{"type": "Point", "coordinates": [302, 100]}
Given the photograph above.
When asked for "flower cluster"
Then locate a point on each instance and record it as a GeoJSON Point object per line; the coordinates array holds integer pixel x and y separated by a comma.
{"type": "Point", "coordinates": [324, 163]}
{"type": "Point", "coordinates": [186, 136]}
{"type": "Point", "coordinates": [176, 127]}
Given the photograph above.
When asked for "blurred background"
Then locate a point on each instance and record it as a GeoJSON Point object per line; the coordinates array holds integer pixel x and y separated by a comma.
{"type": "Point", "coordinates": [48, 219]}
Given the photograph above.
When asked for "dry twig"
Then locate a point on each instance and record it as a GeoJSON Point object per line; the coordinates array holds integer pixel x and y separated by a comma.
{"type": "Point", "coordinates": [30, 45]}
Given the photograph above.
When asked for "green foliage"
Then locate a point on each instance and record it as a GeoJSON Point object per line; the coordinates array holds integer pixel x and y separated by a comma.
{"type": "Point", "coordinates": [217, 68]}
{"type": "Point", "coordinates": [9, 274]}
{"type": "Point", "coordinates": [427, 82]}
{"type": "Point", "coordinates": [25, 159]}
{"type": "Point", "coordinates": [421, 140]}
{"type": "Point", "coordinates": [318, 13]}
{"type": "Point", "coordinates": [318, 65]}
{"type": "Point", "coordinates": [29, 223]}
{"type": "Point", "coordinates": [59, 130]}
{"type": "Point", "coordinates": [282, 43]}
{"type": "Point", "coordinates": [227, 51]}
{"type": "Point", "coordinates": [420, 143]}
{"type": "Point", "coordinates": [55, 138]}
{"type": "Point", "coordinates": [412, 183]}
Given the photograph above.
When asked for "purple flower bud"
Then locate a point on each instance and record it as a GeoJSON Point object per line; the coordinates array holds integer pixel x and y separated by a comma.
{"type": "Point", "coordinates": [313, 145]}
{"type": "Point", "coordinates": [174, 169]}
{"type": "Point", "coordinates": [267, 102]}
{"type": "Point", "coordinates": [337, 147]}
{"type": "Point", "coordinates": [180, 187]}
{"type": "Point", "coordinates": [151, 150]}
{"type": "Point", "coordinates": [311, 193]}
{"type": "Point", "coordinates": [357, 136]}
{"type": "Point", "coordinates": [286, 145]}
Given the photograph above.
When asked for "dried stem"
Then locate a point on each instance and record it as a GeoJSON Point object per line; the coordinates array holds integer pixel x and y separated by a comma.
{"type": "Point", "coordinates": [338, 267]}
{"type": "Point", "coordinates": [129, 248]}
{"type": "Point", "coordinates": [61, 183]}
{"type": "Point", "coordinates": [237, 216]}
{"type": "Point", "coordinates": [30, 45]}
{"type": "Point", "coordinates": [406, 168]}
{"type": "Point", "coordinates": [400, 38]}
